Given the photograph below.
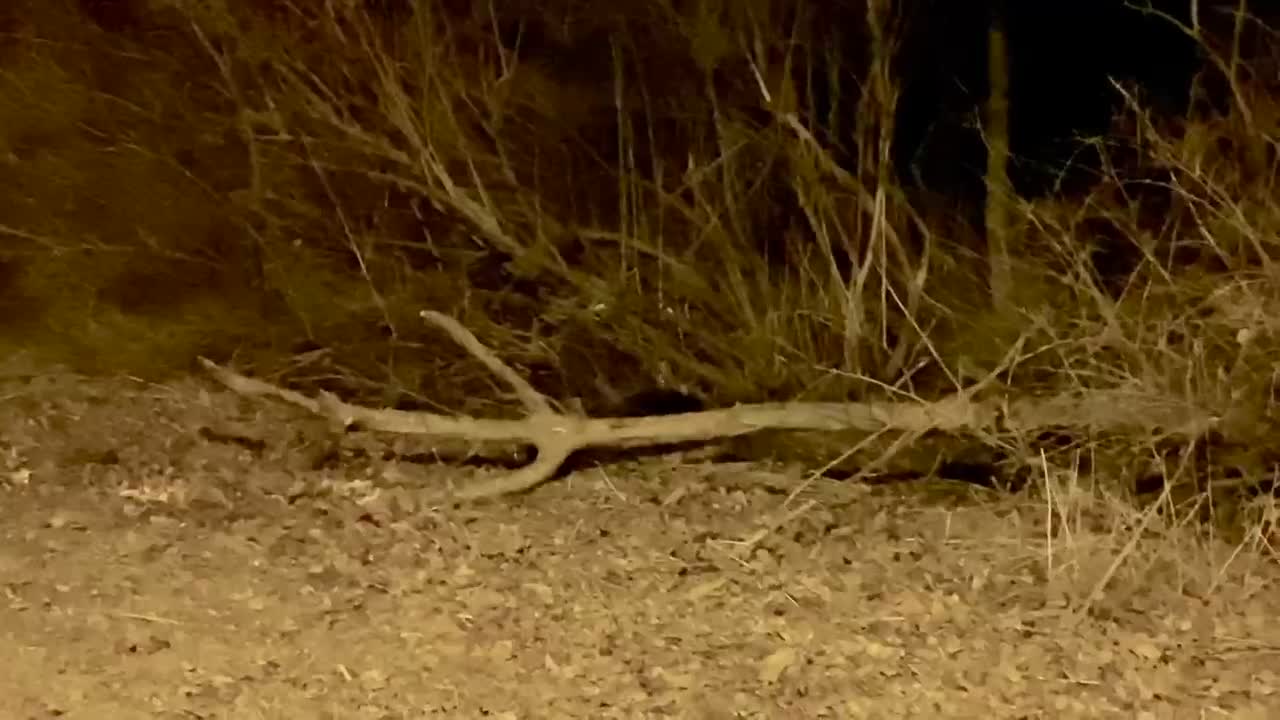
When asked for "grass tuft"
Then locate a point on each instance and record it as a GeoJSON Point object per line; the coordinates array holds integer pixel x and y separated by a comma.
{"type": "Point", "coordinates": [691, 196]}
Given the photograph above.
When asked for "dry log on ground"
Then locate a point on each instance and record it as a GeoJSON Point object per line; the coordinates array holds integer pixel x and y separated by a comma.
{"type": "Point", "coordinates": [556, 436]}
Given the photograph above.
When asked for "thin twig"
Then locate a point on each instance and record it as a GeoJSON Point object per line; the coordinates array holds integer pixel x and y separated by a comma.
{"type": "Point", "coordinates": [535, 402]}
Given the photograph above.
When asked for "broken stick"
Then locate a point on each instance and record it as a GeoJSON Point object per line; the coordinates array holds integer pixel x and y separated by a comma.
{"type": "Point", "coordinates": [556, 436]}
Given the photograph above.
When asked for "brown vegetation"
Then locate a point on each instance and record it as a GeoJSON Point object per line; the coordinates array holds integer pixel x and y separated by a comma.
{"type": "Point", "coordinates": [615, 196]}
{"type": "Point", "coordinates": [623, 197]}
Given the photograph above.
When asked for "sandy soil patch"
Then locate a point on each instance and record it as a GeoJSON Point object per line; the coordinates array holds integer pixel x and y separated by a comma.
{"type": "Point", "coordinates": [147, 571]}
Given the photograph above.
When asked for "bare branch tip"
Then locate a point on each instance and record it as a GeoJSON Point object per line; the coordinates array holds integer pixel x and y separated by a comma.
{"type": "Point", "coordinates": [534, 402]}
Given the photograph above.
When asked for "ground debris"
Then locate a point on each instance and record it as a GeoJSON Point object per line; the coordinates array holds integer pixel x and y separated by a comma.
{"type": "Point", "coordinates": [171, 580]}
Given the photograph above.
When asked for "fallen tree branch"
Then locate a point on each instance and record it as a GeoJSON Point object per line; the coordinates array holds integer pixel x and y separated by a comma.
{"type": "Point", "coordinates": [557, 436]}
{"type": "Point", "coordinates": [535, 402]}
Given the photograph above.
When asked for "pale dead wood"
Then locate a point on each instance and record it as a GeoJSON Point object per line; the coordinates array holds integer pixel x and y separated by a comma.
{"type": "Point", "coordinates": [557, 436]}
{"type": "Point", "coordinates": [535, 402]}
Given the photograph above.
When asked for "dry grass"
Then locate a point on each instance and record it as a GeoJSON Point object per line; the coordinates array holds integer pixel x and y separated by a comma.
{"type": "Point", "coordinates": [705, 200]}
{"type": "Point", "coordinates": [676, 206]}
{"type": "Point", "coordinates": [690, 225]}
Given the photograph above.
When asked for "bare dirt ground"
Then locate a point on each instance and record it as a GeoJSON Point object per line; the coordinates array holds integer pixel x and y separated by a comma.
{"type": "Point", "coordinates": [151, 570]}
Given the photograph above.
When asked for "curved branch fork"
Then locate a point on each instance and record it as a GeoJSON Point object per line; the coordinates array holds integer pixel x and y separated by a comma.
{"type": "Point", "coordinates": [557, 436]}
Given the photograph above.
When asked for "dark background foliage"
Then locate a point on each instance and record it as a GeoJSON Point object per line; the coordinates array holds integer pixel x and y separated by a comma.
{"type": "Point", "coordinates": [752, 200]}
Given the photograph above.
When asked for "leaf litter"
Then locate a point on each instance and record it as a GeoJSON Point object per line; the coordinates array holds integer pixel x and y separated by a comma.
{"type": "Point", "coordinates": [157, 572]}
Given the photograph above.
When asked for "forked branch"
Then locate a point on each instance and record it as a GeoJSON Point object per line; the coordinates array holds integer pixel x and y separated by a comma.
{"type": "Point", "coordinates": [557, 436]}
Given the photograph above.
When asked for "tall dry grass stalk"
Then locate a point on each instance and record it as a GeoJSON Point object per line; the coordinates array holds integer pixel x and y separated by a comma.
{"type": "Point", "coordinates": [697, 220]}
{"type": "Point", "coordinates": [696, 194]}
{"type": "Point", "coordinates": [705, 195]}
